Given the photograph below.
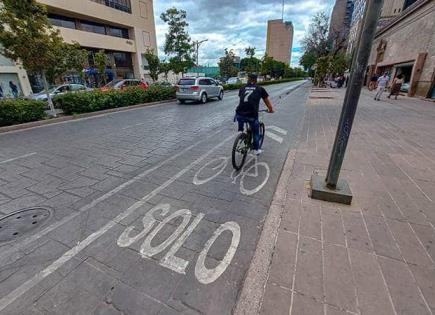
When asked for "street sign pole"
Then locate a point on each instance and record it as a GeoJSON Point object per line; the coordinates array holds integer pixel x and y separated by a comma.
{"type": "Point", "coordinates": [331, 189]}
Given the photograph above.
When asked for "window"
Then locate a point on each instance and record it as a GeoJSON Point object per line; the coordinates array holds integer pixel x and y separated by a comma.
{"type": "Point", "coordinates": [62, 21]}
{"type": "Point", "coordinates": [92, 27]}
{"type": "Point", "coordinates": [121, 5]}
{"type": "Point", "coordinates": [186, 82]}
{"type": "Point", "coordinates": [77, 87]}
{"type": "Point", "coordinates": [117, 32]}
{"type": "Point", "coordinates": [122, 59]}
{"type": "Point", "coordinates": [204, 82]}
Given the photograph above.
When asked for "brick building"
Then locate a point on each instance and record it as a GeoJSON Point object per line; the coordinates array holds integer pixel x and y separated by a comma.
{"type": "Point", "coordinates": [341, 19]}
{"type": "Point", "coordinates": [406, 45]}
{"type": "Point", "coordinates": [279, 40]}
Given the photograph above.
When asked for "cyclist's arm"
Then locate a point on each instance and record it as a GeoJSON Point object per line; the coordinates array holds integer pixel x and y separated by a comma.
{"type": "Point", "coordinates": [268, 104]}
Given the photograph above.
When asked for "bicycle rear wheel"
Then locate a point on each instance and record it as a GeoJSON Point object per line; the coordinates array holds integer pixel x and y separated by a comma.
{"type": "Point", "coordinates": [240, 151]}
{"type": "Point", "coordinates": [262, 134]}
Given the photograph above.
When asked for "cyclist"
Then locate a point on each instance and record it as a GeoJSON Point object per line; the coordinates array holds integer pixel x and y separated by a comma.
{"type": "Point", "coordinates": [247, 111]}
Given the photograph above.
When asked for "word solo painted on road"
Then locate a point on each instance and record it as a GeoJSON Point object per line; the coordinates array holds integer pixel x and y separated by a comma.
{"type": "Point", "coordinates": [203, 274]}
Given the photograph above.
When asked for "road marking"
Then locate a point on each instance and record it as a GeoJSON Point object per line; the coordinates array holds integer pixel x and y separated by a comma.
{"type": "Point", "coordinates": [18, 157]}
{"type": "Point", "coordinates": [29, 284]}
{"type": "Point", "coordinates": [36, 236]}
{"type": "Point", "coordinates": [205, 275]}
{"type": "Point", "coordinates": [274, 137]}
{"type": "Point", "coordinates": [277, 129]}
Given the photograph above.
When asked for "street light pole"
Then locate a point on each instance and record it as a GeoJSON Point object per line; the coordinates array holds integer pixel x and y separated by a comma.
{"type": "Point", "coordinates": [332, 190]}
{"type": "Point", "coordinates": [197, 44]}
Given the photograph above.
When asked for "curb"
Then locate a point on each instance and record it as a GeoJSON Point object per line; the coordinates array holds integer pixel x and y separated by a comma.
{"type": "Point", "coordinates": [251, 296]}
{"type": "Point", "coordinates": [41, 123]}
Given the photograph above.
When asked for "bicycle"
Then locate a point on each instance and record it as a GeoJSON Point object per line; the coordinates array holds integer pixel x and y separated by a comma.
{"type": "Point", "coordinates": [245, 142]}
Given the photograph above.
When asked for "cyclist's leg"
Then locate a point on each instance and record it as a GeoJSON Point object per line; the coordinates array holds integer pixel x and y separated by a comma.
{"type": "Point", "coordinates": [240, 122]}
{"type": "Point", "coordinates": [255, 126]}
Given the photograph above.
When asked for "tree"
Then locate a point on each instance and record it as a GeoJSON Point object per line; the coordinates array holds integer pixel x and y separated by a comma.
{"type": "Point", "coordinates": [71, 59]}
{"type": "Point", "coordinates": [153, 64]}
{"type": "Point", "coordinates": [339, 63]}
{"type": "Point", "coordinates": [101, 62]}
{"type": "Point", "coordinates": [164, 68]}
{"type": "Point", "coordinates": [26, 36]}
{"type": "Point", "coordinates": [322, 69]}
{"type": "Point", "coordinates": [316, 41]}
{"type": "Point", "coordinates": [250, 52]}
{"type": "Point", "coordinates": [178, 44]}
{"type": "Point", "coordinates": [267, 65]}
{"type": "Point", "coordinates": [226, 64]}
{"type": "Point", "coordinates": [250, 64]}
{"type": "Point", "coordinates": [308, 60]}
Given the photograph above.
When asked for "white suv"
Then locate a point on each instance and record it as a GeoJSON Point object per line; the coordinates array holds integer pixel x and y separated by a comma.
{"type": "Point", "coordinates": [198, 89]}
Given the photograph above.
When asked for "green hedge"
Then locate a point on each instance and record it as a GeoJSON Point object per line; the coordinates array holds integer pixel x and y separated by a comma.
{"type": "Point", "coordinates": [240, 85]}
{"type": "Point", "coordinates": [18, 111]}
{"type": "Point", "coordinates": [83, 102]}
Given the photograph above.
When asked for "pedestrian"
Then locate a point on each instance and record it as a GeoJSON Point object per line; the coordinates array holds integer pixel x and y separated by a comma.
{"type": "Point", "coordinates": [14, 88]}
{"type": "Point", "coordinates": [1, 92]}
{"type": "Point", "coordinates": [396, 86]}
{"type": "Point", "coordinates": [347, 80]}
{"type": "Point", "coordinates": [373, 81]}
{"type": "Point", "coordinates": [382, 83]}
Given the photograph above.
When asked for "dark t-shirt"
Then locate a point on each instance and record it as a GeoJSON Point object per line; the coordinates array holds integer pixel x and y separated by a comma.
{"type": "Point", "coordinates": [250, 97]}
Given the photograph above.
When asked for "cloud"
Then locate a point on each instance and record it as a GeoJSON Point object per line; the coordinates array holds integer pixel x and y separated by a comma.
{"type": "Point", "coordinates": [237, 24]}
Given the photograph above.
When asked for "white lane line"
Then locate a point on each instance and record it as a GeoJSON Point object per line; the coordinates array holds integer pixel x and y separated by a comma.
{"type": "Point", "coordinates": [277, 129]}
{"type": "Point", "coordinates": [274, 137]}
{"type": "Point", "coordinates": [18, 157]}
{"type": "Point", "coordinates": [29, 284]}
{"type": "Point", "coordinates": [48, 229]}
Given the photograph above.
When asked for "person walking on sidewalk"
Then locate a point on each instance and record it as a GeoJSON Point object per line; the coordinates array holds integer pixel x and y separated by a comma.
{"type": "Point", "coordinates": [396, 86]}
{"type": "Point", "coordinates": [382, 83]}
{"type": "Point", "coordinates": [373, 80]}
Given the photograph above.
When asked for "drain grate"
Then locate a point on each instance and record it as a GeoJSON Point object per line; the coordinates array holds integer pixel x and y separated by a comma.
{"type": "Point", "coordinates": [22, 222]}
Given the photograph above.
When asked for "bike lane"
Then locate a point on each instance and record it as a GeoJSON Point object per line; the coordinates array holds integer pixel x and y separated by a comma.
{"type": "Point", "coordinates": [180, 239]}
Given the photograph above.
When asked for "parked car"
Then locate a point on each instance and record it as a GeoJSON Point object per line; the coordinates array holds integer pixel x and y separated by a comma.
{"type": "Point", "coordinates": [58, 90]}
{"type": "Point", "coordinates": [198, 89]}
{"type": "Point", "coordinates": [405, 87]}
{"type": "Point", "coordinates": [234, 80]}
{"type": "Point", "coordinates": [122, 84]}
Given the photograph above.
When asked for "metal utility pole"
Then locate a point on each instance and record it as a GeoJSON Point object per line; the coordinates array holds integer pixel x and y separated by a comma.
{"type": "Point", "coordinates": [197, 44]}
{"type": "Point", "coordinates": [331, 189]}
{"type": "Point", "coordinates": [283, 6]}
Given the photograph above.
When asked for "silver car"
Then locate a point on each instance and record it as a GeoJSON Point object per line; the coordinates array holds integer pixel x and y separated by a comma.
{"type": "Point", "coordinates": [198, 89]}
{"type": "Point", "coordinates": [58, 90]}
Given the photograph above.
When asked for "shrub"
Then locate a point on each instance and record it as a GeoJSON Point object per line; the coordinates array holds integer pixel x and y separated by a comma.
{"type": "Point", "coordinates": [17, 111]}
{"type": "Point", "coordinates": [240, 85]}
{"type": "Point", "coordinates": [76, 103]}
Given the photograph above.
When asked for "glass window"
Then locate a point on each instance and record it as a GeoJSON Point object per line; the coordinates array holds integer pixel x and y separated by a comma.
{"type": "Point", "coordinates": [186, 82]}
{"type": "Point", "coordinates": [122, 59]}
{"type": "Point", "coordinates": [92, 27]}
{"type": "Point", "coordinates": [62, 21]}
{"type": "Point", "coordinates": [117, 32]}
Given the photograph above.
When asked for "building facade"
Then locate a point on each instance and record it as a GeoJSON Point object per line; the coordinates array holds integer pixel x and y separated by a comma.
{"type": "Point", "coordinates": [124, 29]}
{"type": "Point", "coordinates": [407, 46]}
{"type": "Point", "coordinates": [279, 41]}
{"type": "Point", "coordinates": [339, 26]}
{"type": "Point", "coordinates": [390, 9]}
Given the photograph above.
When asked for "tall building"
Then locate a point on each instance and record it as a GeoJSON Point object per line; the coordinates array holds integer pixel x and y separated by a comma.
{"type": "Point", "coordinates": [390, 9]}
{"type": "Point", "coordinates": [279, 40]}
{"type": "Point", "coordinates": [406, 46]}
{"type": "Point", "coordinates": [125, 29]}
{"type": "Point", "coordinates": [341, 19]}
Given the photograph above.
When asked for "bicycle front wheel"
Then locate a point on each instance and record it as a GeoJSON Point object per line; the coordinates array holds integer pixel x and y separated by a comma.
{"type": "Point", "coordinates": [240, 150]}
{"type": "Point", "coordinates": [262, 134]}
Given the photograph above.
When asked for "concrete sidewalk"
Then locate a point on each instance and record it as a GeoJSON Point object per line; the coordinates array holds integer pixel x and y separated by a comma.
{"type": "Point", "coordinates": [376, 256]}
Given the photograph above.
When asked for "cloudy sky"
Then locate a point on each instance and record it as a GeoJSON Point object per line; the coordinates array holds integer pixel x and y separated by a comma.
{"type": "Point", "coordinates": [237, 24]}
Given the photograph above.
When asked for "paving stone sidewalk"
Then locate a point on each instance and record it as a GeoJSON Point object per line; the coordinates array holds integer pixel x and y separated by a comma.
{"type": "Point", "coordinates": [377, 255]}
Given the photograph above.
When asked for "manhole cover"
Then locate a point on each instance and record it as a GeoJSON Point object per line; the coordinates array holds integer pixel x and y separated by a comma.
{"type": "Point", "coordinates": [22, 222]}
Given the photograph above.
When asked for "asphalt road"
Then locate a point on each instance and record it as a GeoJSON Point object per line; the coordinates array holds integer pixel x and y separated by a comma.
{"type": "Point", "coordinates": [144, 212]}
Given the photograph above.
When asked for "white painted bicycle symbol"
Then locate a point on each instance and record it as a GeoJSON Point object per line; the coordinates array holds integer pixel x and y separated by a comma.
{"type": "Point", "coordinates": [257, 172]}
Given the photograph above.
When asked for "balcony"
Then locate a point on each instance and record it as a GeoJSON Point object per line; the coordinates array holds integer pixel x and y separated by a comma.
{"type": "Point", "coordinates": [121, 5]}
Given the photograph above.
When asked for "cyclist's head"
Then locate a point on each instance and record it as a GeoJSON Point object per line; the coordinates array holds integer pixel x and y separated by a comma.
{"type": "Point", "coordinates": [252, 78]}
